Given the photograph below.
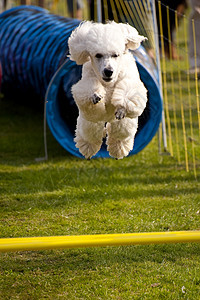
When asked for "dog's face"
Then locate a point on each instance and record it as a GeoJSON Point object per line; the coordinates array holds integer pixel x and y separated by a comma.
{"type": "Point", "coordinates": [104, 45]}
{"type": "Point", "coordinates": [106, 66]}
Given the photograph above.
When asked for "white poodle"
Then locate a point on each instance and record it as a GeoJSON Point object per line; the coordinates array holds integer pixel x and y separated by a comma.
{"type": "Point", "coordinates": [110, 95]}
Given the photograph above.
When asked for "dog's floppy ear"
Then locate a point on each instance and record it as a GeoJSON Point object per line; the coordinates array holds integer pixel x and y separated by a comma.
{"type": "Point", "coordinates": [132, 38]}
{"type": "Point", "coordinates": [77, 43]}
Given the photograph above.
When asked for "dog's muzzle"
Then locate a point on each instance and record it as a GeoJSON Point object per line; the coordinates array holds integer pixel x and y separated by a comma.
{"type": "Point", "coordinates": [107, 74]}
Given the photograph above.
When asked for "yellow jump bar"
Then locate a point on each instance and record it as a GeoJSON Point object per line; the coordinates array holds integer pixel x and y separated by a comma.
{"type": "Point", "coordinates": [61, 242]}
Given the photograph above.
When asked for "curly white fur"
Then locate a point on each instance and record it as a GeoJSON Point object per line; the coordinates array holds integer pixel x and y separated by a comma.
{"type": "Point", "coordinates": [110, 91]}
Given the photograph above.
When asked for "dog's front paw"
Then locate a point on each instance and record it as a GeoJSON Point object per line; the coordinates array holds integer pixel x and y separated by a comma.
{"type": "Point", "coordinates": [120, 113]}
{"type": "Point", "coordinates": [96, 98]}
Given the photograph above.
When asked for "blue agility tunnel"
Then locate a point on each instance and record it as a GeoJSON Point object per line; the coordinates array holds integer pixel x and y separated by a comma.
{"type": "Point", "coordinates": [33, 55]}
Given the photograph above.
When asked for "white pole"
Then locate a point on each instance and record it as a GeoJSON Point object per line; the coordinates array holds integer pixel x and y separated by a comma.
{"type": "Point", "coordinates": [99, 11]}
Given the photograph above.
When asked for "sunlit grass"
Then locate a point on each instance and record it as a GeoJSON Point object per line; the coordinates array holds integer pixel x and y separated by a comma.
{"type": "Point", "coordinates": [70, 196]}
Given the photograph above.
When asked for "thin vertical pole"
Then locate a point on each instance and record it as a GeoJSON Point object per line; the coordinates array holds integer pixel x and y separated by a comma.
{"type": "Point", "coordinates": [159, 73]}
{"type": "Point", "coordinates": [99, 11]}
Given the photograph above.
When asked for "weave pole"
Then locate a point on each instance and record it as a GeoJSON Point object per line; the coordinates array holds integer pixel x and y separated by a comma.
{"type": "Point", "coordinates": [100, 240]}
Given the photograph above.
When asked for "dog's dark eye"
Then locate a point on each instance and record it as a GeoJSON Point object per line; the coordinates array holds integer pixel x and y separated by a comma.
{"type": "Point", "coordinates": [115, 55]}
{"type": "Point", "coordinates": [98, 55]}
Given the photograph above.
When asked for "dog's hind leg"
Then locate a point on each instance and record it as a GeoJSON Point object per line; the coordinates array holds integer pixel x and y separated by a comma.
{"type": "Point", "coordinates": [120, 137]}
{"type": "Point", "coordinates": [89, 136]}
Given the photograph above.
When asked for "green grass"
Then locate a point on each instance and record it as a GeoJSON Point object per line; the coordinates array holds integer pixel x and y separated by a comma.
{"type": "Point", "coordinates": [70, 196]}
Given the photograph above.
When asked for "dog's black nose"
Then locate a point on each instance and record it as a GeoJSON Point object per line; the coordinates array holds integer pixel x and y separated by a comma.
{"type": "Point", "coordinates": [108, 72]}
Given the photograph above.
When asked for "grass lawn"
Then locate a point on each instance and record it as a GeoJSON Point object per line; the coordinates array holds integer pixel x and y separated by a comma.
{"type": "Point", "coordinates": [70, 196]}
